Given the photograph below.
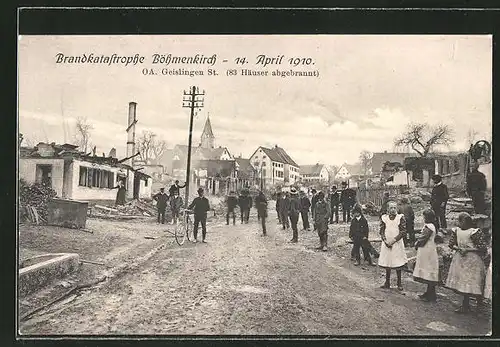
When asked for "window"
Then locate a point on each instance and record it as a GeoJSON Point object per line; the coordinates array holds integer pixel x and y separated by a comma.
{"type": "Point", "coordinates": [264, 172]}
{"type": "Point", "coordinates": [263, 163]}
{"type": "Point", "coordinates": [90, 177]}
{"type": "Point", "coordinates": [146, 182]}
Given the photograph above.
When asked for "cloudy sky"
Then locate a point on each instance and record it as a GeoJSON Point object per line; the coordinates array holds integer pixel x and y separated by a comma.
{"type": "Point", "coordinates": [369, 89]}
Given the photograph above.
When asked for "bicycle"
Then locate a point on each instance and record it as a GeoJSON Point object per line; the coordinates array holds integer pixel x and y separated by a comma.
{"type": "Point", "coordinates": [184, 227]}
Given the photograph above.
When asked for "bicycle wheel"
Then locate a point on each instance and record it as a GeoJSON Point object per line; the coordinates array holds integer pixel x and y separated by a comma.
{"type": "Point", "coordinates": [180, 231]}
{"type": "Point", "coordinates": [188, 227]}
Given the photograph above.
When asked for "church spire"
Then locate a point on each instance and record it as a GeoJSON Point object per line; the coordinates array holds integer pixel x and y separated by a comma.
{"type": "Point", "coordinates": [207, 137]}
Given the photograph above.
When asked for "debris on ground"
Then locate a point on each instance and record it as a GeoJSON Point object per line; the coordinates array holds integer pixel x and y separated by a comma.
{"type": "Point", "coordinates": [133, 208]}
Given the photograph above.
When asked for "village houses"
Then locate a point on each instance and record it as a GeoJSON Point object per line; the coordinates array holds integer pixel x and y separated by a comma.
{"type": "Point", "coordinates": [314, 173]}
{"type": "Point", "coordinates": [275, 166]}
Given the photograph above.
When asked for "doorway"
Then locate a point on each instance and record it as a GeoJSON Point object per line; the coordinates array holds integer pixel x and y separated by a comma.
{"type": "Point", "coordinates": [44, 175]}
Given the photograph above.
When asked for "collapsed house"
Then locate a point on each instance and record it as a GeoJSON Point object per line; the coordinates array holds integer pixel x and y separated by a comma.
{"type": "Point", "coordinates": [79, 176]}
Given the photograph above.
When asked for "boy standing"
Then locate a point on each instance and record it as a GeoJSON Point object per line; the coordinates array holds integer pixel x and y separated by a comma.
{"type": "Point", "coordinates": [176, 205]}
{"type": "Point", "coordinates": [261, 205]}
{"type": "Point", "coordinates": [305, 204]}
{"type": "Point", "coordinates": [231, 203]}
{"type": "Point", "coordinates": [358, 233]}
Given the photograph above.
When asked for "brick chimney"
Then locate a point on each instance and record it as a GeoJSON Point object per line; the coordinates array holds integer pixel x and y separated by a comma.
{"type": "Point", "coordinates": [132, 106]}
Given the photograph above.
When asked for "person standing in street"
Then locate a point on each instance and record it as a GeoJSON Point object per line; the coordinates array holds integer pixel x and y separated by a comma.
{"type": "Point", "coordinates": [392, 251]}
{"type": "Point", "coordinates": [314, 200]}
{"type": "Point", "coordinates": [175, 188]}
{"type": "Point", "coordinates": [305, 205]}
{"type": "Point", "coordinates": [334, 204]}
{"type": "Point", "coordinates": [358, 233]}
{"type": "Point", "coordinates": [321, 215]}
{"type": "Point", "coordinates": [294, 214]}
{"type": "Point", "coordinates": [407, 210]}
{"type": "Point", "coordinates": [200, 207]}
{"type": "Point", "coordinates": [161, 204]}
{"type": "Point", "coordinates": [245, 203]}
{"type": "Point", "coordinates": [279, 200]}
{"type": "Point", "coordinates": [439, 198]}
{"type": "Point", "coordinates": [231, 203]}
{"type": "Point", "coordinates": [285, 211]}
{"type": "Point", "coordinates": [347, 199]}
{"type": "Point", "coordinates": [476, 189]}
{"type": "Point", "coordinates": [261, 206]}
{"type": "Point", "coordinates": [120, 194]}
{"type": "Point", "coordinates": [176, 204]}
{"type": "Point", "coordinates": [427, 262]}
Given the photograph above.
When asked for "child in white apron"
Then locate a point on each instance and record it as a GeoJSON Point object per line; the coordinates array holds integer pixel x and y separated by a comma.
{"type": "Point", "coordinates": [466, 274]}
{"type": "Point", "coordinates": [427, 263]}
{"type": "Point", "coordinates": [392, 251]}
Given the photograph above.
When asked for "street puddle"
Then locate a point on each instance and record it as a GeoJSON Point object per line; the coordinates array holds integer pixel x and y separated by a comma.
{"type": "Point", "coordinates": [250, 289]}
{"type": "Point", "coordinates": [440, 326]}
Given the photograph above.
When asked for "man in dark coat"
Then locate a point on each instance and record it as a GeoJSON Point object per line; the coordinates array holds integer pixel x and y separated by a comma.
{"type": "Point", "coordinates": [245, 203]}
{"type": "Point", "coordinates": [476, 189]}
{"type": "Point", "coordinates": [261, 205]}
{"type": "Point", "coordinates": [200, 207]}
{"type": "Point", "coordinates": [175, 188]}
{"type": "Point", "coordinates": [294, 214]}
{"type": "Point", "coordinates": [161, 204]}
{"type": "Point", "coordinates": [285, 211]}
{"type": "Point", "coordinates": [321, 215]}
{"type": "Point", "coordinates": [439, 198]}
{"type": "Point", "coordinates": [176, 204]}
{"type": "Point", "coordinates": [231, 202]}
{"type": "Point", "coordinates": [407, 210]}
{"type": "Point", "coordinates": [305, 205]}
{"type": "Point", "coordinates": [279, 200]}
{"type": "Point", "coordinates": [334, 204]}
{"type": "Point", "coordinates": [314, 200]}
{"type": "Point", "coordinates": [347, 199]}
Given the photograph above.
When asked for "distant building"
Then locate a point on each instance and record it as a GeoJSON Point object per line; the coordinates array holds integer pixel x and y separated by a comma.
{"type": "Point", "coordinates": [75, 175]}
{"type": "Point", "coordinates": [314, 173]}
{"type": "Point", "coordinates": [207, 136]}
{"type": "Point", "coordinates": [275, 166]}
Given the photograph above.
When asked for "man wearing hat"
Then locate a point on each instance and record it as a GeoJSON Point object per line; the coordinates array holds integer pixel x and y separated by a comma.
{"type": "Point", "coordinates": [231, 203]}
{"type": "Point", "coordinates": [245, 203]}
{"type": "Point", "coordinates": [161, 204]}
{"type": "Point", "coordinates": [305, 205]}
{"type": "Point", "coordinates": [175, 188]}
{"type": "Point", "coordinates": [334, 204]}
{"type": "Point", "coordinates": [347, 199]}
{"type": "Point", "coordinates": [176, 204]}
{"type": "Point", "coordinates": [284, 211]}
{"type": "Point", "coordinates": [294, 213]}
{"type": "Point", "coordinates": [314, 200]}
{"type": "Point", "coordinates": [439, 198]}
{"type": "Point", "coordinates": [261, 205]}
{"type": "Point", "coordinates": [321, 216]}
{"type": "Point", "coordinates": [200, 207]}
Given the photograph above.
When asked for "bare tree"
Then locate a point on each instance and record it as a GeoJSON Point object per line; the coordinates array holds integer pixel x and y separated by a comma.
{"type": "Point", "coordinates": [423, 138]}
{"type": "Point", "coordinates": [82, 133]}
{"type": "Point", "coordinates": [365, 159]}
{"type": "Point", "coordinates": [149, 146]}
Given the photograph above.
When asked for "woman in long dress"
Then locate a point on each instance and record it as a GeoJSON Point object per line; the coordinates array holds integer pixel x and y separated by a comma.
{"type": "Point", "coordinates": [392, 251]}
{"type": "Point", "coordinates": [466, 274]}
{"type": "Point", "coordinates": [427, 263]}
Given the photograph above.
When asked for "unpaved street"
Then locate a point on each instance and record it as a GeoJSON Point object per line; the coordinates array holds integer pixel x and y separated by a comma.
{"type": "Point", "coordinates": [242, 283]}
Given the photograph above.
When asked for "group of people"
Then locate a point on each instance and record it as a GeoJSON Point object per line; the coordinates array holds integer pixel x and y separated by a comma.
{"type": "Point", "coordinates": [173, 198]}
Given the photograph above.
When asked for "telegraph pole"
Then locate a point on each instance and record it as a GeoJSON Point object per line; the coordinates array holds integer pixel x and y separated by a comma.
{"type": "Point", "coordinates": [192, 99]}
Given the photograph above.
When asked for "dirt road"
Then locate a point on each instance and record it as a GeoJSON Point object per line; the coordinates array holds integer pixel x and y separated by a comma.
{"type": "Point", "coordinates": [243, 283]}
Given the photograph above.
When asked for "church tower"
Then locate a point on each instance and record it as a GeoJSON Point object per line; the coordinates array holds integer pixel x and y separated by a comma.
{"type": "Point", "coordinates": [207, 137]}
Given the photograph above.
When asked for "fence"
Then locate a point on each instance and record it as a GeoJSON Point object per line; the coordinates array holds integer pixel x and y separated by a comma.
{"type": "Point", "coordinates": [375, 195]}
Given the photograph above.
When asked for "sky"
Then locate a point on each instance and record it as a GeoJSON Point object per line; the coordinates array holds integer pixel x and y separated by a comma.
{"type": "Point", "coordinates": [370, 87]}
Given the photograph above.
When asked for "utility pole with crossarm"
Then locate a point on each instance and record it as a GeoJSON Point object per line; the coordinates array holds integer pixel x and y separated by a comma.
{"type": "Point", "coordinates": [192, 99]}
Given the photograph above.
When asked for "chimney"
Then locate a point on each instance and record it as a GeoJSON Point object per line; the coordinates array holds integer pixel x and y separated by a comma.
{"type": "Point", "coordinates": [131, 131]}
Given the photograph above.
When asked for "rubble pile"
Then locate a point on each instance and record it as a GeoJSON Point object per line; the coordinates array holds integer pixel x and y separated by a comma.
{"type": "Point", "coordinates": [217, 203]}
{"type": "Point", "coordinates": [134, 208]}
{"type": "Point", "coordinates": [33, 199]}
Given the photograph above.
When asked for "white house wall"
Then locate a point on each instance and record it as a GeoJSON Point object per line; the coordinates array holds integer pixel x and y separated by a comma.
{"type": "Point", "coordinates": [27, 171]}
{"type": "Point", "coordinates": [145, 191]}
{"type": "Point", "coordinates": [86, 193]}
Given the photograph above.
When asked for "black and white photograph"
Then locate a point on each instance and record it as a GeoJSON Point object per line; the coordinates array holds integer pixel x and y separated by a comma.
{"type": "Point", "coordinates": [242, 185]}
